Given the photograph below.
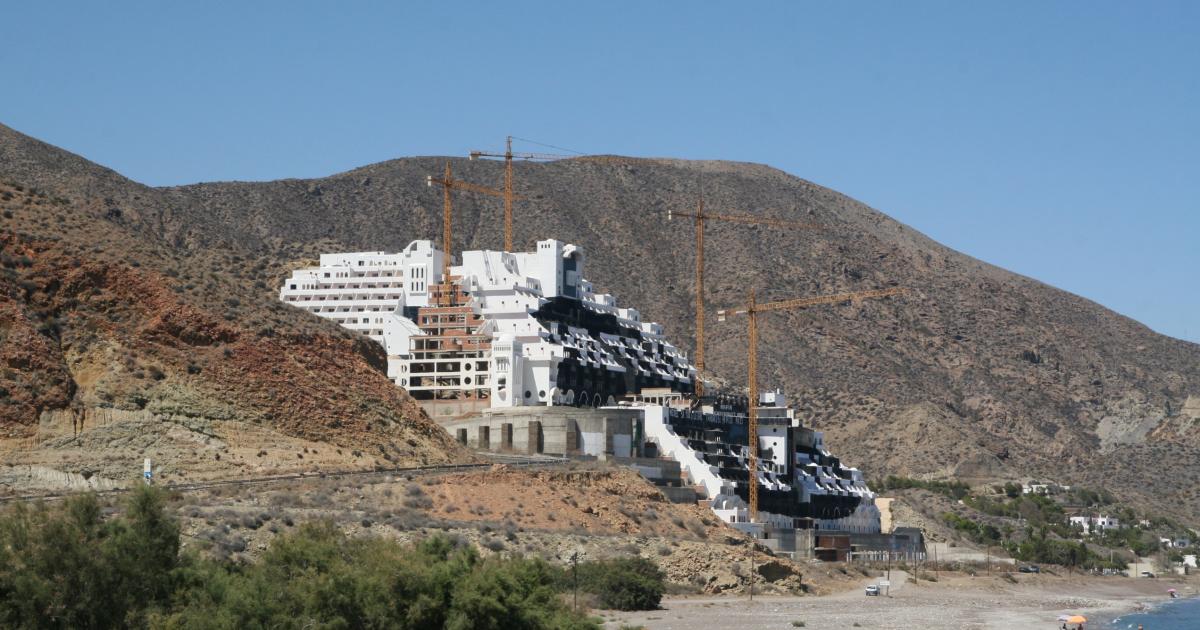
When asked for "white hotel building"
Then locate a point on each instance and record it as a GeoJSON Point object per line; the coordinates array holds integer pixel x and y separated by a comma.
{"type": "Point", "coordinates": [527, 329]}
{"type": "Point", "coordinates": [370, 292]}
{"type": "Point", "coordinates": [531, 330]}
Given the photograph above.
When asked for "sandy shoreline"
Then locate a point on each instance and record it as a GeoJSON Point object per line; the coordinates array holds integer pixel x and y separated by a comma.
{"type": "Point", "coordinates": [953, 602]}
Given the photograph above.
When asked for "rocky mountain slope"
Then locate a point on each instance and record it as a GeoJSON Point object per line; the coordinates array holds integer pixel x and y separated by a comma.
{"type": "Point", "coordinates": [114, 347]}
{"type": "Point", "coordinates": [976, 372]}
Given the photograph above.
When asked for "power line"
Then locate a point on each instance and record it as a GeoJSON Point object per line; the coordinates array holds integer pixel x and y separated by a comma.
{"type": "Point", "coordinates": [551, 146]}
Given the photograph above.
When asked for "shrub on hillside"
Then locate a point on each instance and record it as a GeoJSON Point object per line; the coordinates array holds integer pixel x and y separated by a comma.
{"type": "Point", "coordinates": [633, 583]}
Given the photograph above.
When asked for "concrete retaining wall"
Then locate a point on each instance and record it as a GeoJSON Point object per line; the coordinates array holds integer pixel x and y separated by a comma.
{"type": "Point", "coordinates": [599, 433]}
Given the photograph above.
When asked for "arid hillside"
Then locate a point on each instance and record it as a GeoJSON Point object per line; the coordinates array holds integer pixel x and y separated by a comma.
{"type": "Point", "coordinates": [114, 347]}
{"type": "Point", "coordinates": [976, 372]}
{"type": "Point", "coordinates": [594, 509]}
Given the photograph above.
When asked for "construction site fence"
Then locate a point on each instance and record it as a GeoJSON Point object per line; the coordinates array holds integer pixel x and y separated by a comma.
{"type": "Point", "coordinates": [913, 557]}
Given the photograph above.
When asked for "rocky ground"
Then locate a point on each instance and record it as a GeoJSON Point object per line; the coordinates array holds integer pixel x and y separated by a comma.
{"type": "Point", "coordinates": [597, 511]}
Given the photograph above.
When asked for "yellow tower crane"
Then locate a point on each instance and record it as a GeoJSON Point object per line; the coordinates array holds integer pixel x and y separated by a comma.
{"type": "Point", "coordinates": [700, 216]}
{"type": "Point", "coordinates": [448, 183]}
{"type": "Point", "coordinates": [752, 309]}
{"type": "Point", "coordinates": [509, 156]}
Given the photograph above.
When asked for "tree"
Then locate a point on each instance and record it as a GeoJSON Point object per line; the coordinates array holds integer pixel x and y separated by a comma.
{"type": "Point", "coordinates": [65, 567]}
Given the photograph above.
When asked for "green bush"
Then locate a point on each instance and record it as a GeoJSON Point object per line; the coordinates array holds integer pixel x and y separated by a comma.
{"type": "Point", "coordinates": [67, 567]}
{"type": "Point", "coordinates": [981, 533]}
{"type": "Point", "coordinates": [633, 583]}
{"type": "Point", "coordinates": [1038, 547]}
{"type": "Point", "coordinates": [318, 577]}
{"type": "Point", "coordinates": [953, 489]}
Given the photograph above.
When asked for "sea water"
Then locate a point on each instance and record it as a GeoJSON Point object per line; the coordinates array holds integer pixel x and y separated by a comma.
{"type": "Point", "coordinates": [1176, 614]}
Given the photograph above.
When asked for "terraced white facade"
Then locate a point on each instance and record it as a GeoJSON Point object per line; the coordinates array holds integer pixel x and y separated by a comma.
{"type": "Point", "coordinates": [552, 339]}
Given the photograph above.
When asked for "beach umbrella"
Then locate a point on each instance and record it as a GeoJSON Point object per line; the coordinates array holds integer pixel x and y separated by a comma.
{"type": "Point", "coordinates": [1171, 590]}
{"type": "Point", "coordinates": [1077, 619]}
{"type": "Point", "coordinates": [1063, 617]}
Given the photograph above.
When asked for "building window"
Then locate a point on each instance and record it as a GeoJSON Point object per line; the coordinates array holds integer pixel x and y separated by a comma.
{"type": "Point", "coordinates": [528, 394]}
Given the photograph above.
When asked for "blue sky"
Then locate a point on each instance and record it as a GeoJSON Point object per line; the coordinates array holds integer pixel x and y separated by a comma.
{"type": "Point", "coordinates": [1057, 139]}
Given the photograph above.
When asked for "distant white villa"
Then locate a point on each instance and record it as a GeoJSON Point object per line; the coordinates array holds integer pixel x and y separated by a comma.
{"type": "Point", "coordinates": [1044, 488]}
{"type": "Point", "coordinates": [1093, 524]}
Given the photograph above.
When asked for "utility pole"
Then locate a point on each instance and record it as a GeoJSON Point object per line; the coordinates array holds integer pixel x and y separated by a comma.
{"type": "Point", "coordinates": [575, 577]}
{"type": "Point", "coordinates": [888, 590]}
{"type": "Point", "coordinates": [751, 566]}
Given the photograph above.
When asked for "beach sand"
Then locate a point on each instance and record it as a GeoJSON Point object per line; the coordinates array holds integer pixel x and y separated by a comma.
{"type": "Point", "coordinates": [953, 602]}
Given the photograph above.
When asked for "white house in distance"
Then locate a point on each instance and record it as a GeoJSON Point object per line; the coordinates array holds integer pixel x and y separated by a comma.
{"type": "Point", "coordinates": [1093, 524]}
{"type": "Point", "coordinates": [1043, 488]}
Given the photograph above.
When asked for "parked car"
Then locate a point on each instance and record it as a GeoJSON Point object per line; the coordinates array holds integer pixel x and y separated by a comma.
{"type": "Point", "coordinates": [1030, 568]}
{"type": "Point", "coordinates": [873, 590]}
{"type": "Point", "coordinates": [1149, 574]}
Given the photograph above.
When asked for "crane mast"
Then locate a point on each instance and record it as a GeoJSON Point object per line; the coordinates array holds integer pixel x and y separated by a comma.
{"type": "Point", "coordinates": [700, 216]}
{"type": "Point", "coordinates": [509, 156]}
{"type": "Point", "coordinates": [752, 410]}
{"type": "Point", "coordinates": [508, 194]}
{"type": "Point", "coordinates": [699, 386]}
{"type": "Point", "coordinates": [751, 310]}
{"type": "Point", "coordinates": [448, 184]}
